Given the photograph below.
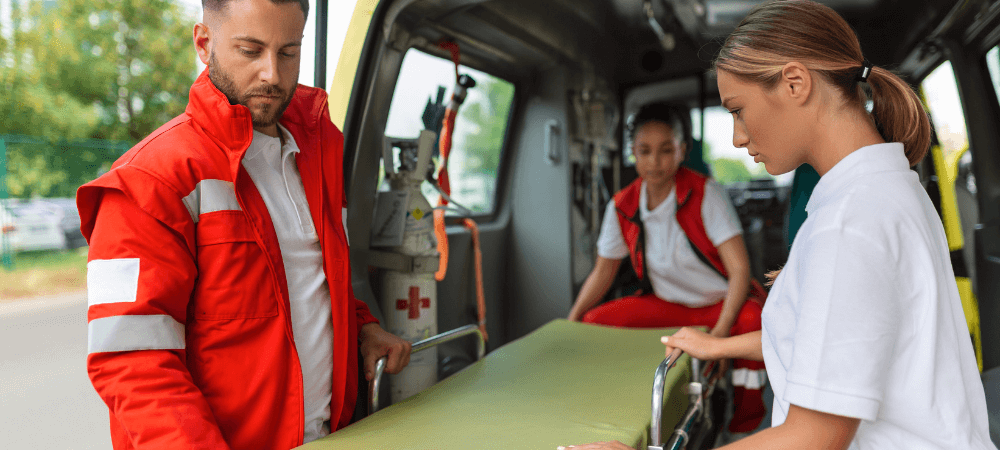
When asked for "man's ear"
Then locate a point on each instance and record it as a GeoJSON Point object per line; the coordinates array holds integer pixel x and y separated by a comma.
{"type": "Point", "coordinates": [202, 42]}
{"type": "Point", "coordinates": [796, 82]}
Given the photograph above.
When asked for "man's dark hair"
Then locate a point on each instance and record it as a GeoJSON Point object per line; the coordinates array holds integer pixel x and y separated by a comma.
{"type": "Point", "coordinates": [676, 116]}
{"type": "Point", "coordinates": [217, 5]}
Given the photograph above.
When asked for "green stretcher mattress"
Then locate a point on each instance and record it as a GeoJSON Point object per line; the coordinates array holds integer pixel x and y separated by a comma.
{"type": "Point", "coordinates": [565, 383]}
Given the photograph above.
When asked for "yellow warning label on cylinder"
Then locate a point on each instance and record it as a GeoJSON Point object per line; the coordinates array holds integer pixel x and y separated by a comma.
{"type": "Point", "coordinates": [418, 214]}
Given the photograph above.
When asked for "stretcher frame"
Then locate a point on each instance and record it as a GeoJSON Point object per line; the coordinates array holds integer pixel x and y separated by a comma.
{"type": "Point", "coordinates": [700, 389]}
{"type": "Point", "coordinates": [691, 423]}
{"type": "Point", "coordinates": [447, 336]}
{"type": "Point", "coordinates": [699, 417]}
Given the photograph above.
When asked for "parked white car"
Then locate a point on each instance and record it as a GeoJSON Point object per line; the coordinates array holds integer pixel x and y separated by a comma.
{"type": "Point", "coordinates": [28, 226]}
{"type": "Point", "coordinates": [69, 218]}
{"type": "Point", "coordinates": [7, 227]}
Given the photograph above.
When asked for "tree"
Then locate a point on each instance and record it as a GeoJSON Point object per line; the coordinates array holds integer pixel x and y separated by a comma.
{"type": "Point", "coordinates": [486, 120]}
{"type": "Point", "coordinates": [479, 134]}
{"type": "Point", "coordinates": [729, 170]}
{"type": "Point", "coordinates": [88, 69]}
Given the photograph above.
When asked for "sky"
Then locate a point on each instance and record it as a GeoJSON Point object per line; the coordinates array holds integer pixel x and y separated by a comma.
{"type": "Point", "coordinates": [340, 12]}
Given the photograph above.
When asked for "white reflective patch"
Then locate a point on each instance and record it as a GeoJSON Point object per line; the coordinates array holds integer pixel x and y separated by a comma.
{"type": "Point", "coordinates": [131, 333]}
{"type": "Point", "coordinates": [210, 196]}
{"type": "Point", "coordinates": [343, 218]}
{"type": "Point", "coordinates": [750, 379]}
{"type": "Point", "coordinates": [112, 280]}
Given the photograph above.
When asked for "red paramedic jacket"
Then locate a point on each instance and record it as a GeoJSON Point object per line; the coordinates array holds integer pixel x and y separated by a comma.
{"type": "Point", "coordinates": [189, 334]}
{"type": "Point", "coordinates": [690, 188]}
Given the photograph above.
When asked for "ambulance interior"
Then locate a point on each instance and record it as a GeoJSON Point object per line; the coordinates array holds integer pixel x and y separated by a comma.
{"type": "Point", "coordinates": [540, 146]}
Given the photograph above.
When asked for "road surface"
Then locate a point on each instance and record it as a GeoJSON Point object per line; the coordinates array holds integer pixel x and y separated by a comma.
{"type": "Point", "coordinates": [47, 400]}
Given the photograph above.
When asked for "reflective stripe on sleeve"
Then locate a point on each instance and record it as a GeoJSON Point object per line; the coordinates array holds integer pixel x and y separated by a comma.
{"type": "Point", "coordinates": [750, 379]}
{"type": "Point", "coordinates": [343, 218]}
{"type": "Point", "coordinates": [210, 196]}
{"type": "Point", "coordinates": [131, 333]}
{"type": "Point", "coordinates": [112, 280]}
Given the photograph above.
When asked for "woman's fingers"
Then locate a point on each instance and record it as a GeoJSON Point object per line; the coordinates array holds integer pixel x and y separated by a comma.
{"type": "Point", "coordinates": [696, 343]}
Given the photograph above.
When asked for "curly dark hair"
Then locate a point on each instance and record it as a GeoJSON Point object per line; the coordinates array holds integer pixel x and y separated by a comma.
{"type": "Point", "coordinates": [676, 116]}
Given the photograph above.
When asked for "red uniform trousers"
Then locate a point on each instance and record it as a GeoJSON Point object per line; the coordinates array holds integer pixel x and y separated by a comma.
{"type": "Point", "coordinates": [649, 311]}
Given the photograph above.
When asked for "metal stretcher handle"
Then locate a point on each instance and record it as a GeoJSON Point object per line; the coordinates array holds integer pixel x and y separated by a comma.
{"type": "Point", "coordinates": [373, 385]}
{"type": "Point", "coordinates": [700, 389]}
{"type": "Point", "coordinates": [658, 381]}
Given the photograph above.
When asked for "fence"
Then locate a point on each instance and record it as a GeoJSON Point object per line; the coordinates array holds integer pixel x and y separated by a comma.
{"type": "Point", "coordinates": [112, 150]}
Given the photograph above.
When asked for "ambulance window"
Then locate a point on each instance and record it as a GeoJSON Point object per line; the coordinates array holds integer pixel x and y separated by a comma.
{"type": "Point", "coordinates": [480, 129]}
{"type": "Point", "coordinates": [957, 202]}
{"type": "Point", "coordinates": [993, 63]}
{"type": "Point", "coordinates": [728, 164]}
{"type": "Point", "coordinates": [940, 91]}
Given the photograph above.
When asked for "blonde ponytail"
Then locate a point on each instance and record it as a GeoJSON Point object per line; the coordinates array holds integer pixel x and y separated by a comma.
{"type": "Point", "coordinates": [899, 114]}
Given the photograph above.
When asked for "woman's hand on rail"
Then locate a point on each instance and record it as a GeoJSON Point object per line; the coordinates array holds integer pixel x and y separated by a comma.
{"type": "Point", "coordinates": [615, 445]}
{"type": "Point", "coordinates": [594, 287]}
{"type": "Point", "coordinates": [376, 343]}
{"type": "Point", "coordinates": [696, 343]}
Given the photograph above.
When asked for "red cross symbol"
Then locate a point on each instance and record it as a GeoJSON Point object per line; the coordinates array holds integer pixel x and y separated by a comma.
{"type": "Point", "coordinates": [414, 303]}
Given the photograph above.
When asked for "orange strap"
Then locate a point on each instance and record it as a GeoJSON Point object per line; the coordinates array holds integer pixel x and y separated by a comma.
{"type": "Point", "coordinates": [444, 148]}
{"type": "Point", "coordinates": [442, 244]}
{"type": "Point", "coordinates": [480, 295]}
{"type": "Point", "coordinates": [456, 54]}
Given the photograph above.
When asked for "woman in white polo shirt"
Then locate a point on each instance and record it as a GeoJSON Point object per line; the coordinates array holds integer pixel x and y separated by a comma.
{"type": "Point", "coordinates": [685, 243]}
{"type": "Point", "coordinates": [863, 332]}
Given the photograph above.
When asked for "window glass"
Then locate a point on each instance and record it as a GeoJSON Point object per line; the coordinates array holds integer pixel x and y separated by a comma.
{"type": "Point", "coordinates": [955, 197]}
{"type": "Point", "coordinates": [479, 129]}
{"type": "Point", "coordinates": [728, 164]}
{"type": "Point", "coordinates": [940, 91]}
{"type": "Point", "coordinates": [993, 63]}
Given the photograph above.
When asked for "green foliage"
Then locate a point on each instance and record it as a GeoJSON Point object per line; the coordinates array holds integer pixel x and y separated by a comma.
{"type": "Point", "coordinates": [482, 124]}
{"type": "Point", "coordinates": [728, 171]}
{"type": "Point", "coordinates": [487, 121]}
{"type": "Point", "coordinates": [44, 272]}
{"type": "Point", "coordinates": [78, 69]}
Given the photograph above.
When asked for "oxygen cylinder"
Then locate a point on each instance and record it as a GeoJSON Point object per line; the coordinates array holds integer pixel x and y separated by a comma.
{"type": "Point", "coordinates": [409, 299]}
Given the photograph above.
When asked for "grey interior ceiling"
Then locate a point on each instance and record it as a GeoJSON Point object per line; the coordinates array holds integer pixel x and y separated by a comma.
{"type": "Point", "coordinates": [613, 38]}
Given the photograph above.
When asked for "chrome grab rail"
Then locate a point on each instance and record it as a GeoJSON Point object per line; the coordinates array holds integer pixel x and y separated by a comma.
{"type": "Point", "coordinates": [658, 381]}
{"type": "Point", "coordinates": [700, 390]}
{"type": "Point", "coordinates": [375, 383]}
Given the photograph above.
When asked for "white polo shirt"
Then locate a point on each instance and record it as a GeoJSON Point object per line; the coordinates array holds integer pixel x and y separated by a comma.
{"type": "Point", "coordinates": [676, 273]}
{"type": "Point", "coordinates": [273, 170]}
{"type": "Point", "coordinates": [865, 320]}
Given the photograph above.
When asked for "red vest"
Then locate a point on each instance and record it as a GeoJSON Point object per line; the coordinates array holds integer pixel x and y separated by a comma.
{"type": "Point", "coordinates": [690, 188]}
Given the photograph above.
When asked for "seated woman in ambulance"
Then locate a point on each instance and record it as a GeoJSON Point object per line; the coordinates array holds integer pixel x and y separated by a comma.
{"type": "Point", "coordinates": [684, 239]}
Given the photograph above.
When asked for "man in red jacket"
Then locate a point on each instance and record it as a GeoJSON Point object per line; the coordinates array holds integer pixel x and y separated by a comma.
{"type": "Point", "coordinates": [220, 306]}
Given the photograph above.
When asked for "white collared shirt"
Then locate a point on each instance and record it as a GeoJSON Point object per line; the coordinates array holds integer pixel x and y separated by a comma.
{"type": "Point", "coordinates": [865, 320]}
{"type": "Point", "coordinates": [273, 170]}
{"type": "Point", "coordinates": [675, 271]}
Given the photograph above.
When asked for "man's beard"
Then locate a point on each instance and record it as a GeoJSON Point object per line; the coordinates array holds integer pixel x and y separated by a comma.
{"type": "Point", "coordinates": [266, 115]}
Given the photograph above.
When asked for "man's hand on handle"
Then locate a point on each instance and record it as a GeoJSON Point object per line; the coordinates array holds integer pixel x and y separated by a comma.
{"type": "Point", "coordinates": [376, 343]}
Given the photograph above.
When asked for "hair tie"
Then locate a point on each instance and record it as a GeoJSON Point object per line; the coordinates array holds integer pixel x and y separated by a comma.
{"type": "Point", "coordinates": [866, 70]}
